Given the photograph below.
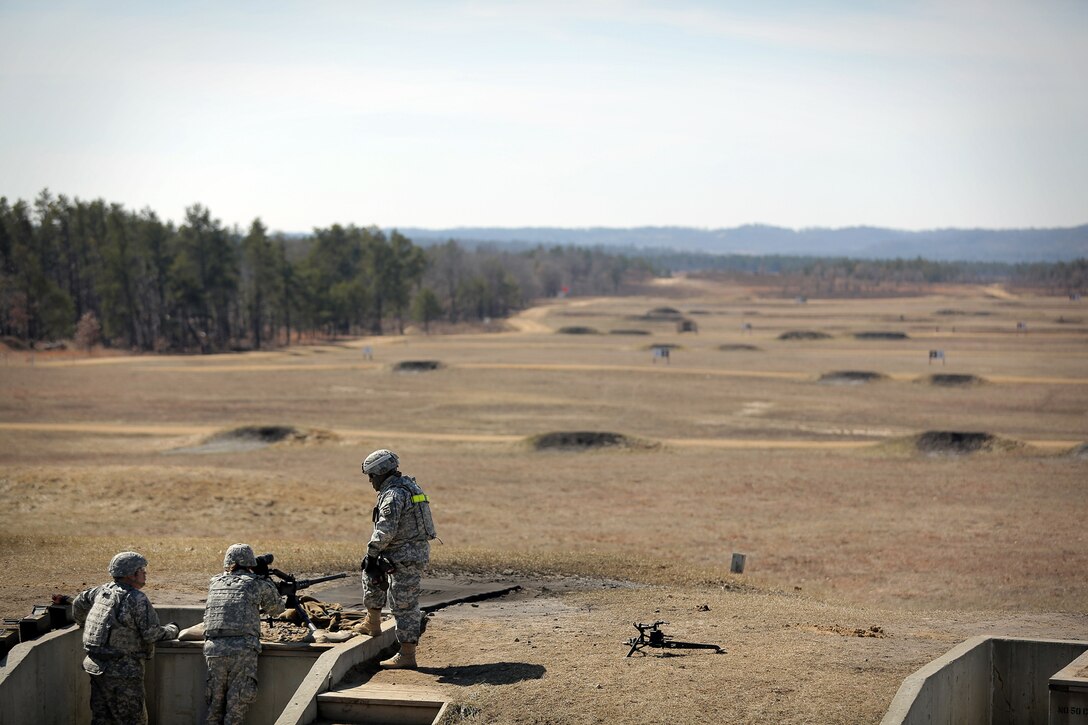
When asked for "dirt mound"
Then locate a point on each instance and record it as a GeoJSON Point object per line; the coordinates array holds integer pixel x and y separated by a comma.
{"type": "Point", "coordinates": [416, 366]}
{"type": "Point", "coordinates": [881, 335]}
{"type": "Point", "coordinates": [662, 313]}
{"type": "Point", "coordinates": [628, 332]}
{"type": "Point", "coordinates": [735, 347]}
{"type": "Point", "coordinates": [578, 330]}
{"type": "Point", "coordinates": [254, 437]}
{"type": "Point", "coordinates": [947, 442]}
{"type": "Point", "coordinates": [583, 440]}
{"type": "Point", "coordinates": [949, 312]}
{"type": "Point", "coordinates": [804, 335]}
{"type": "Point", "coordinates": [952, 380]}
{"type": "Point", "coordinates": [851, 377]}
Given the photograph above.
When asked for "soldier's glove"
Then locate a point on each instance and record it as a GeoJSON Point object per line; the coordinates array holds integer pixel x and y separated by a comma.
{"type": "Point", "coordinates": [370, 564]}
{"type": "Point", "coordinates": [172, 630]}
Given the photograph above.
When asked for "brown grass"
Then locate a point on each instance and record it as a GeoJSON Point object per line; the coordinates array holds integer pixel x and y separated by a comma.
{"type": "Point", "coordinates": [845, 524]}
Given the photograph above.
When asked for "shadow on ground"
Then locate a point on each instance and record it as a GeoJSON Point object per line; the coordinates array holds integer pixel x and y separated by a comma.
{"type": "Point", "coordinates": [496, 673]}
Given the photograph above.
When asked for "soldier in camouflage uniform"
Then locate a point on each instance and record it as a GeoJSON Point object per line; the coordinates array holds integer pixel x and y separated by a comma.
{"type": "Point", "coordinates": [403, 530]}
{"type": "Point", "coordinates": [232, 634]}
{"type": "Point", "coordinates": [120, 629]}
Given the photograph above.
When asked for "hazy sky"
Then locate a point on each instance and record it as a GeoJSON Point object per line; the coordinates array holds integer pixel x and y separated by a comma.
{"type": "Point", "coordinates": [588, 113]}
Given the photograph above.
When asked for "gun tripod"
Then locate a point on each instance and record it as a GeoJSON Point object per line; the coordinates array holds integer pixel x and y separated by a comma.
{"type": "Point", "coordinates": [650, 635]}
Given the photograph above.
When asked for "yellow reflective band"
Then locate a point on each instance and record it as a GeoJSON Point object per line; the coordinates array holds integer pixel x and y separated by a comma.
{"type": "Point", "coordinates": [420, 498]}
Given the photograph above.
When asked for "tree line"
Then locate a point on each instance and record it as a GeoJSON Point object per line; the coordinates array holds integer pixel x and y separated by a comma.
{"type": "Point", "coordinates": [847, 276]}
{"type": "Point", "coordinates": [98, 271]}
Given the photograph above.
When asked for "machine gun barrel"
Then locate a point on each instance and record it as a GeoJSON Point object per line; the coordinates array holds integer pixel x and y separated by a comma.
{"type": "Point", "coordinates": [288, 586]}
{"type": "Point", "coordinates": [303, 583]}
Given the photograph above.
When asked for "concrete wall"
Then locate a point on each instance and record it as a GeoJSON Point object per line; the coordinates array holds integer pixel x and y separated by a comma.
{"type": "Point", "coordinates": [952, 688]}
{"type": "Point", "coordinates": [984, 680]}
{"type": "Point", "coordinates": [43, 681]}
{"type": "Point", "coordinates": [176, 679]}
{"type": "Point", "coordinates": [329, 669]}
{"type": "Point", "coordinates": [1022, 672]}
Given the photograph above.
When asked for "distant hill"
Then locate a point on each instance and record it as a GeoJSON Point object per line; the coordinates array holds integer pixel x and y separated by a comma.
{"type": "Point", "coordinates": [975, 245]}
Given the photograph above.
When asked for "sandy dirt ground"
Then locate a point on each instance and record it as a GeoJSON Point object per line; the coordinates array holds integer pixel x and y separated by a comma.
{"type": "Point", "coordinates": [866, 556]}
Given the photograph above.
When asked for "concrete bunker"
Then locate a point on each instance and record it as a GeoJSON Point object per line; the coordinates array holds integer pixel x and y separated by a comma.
{"type": "Point", "coordinates": [996, 680]}
{"type": "Point", "coordinates": [42, 680]}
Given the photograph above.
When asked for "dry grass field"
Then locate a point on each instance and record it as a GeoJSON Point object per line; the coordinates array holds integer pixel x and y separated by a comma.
{"type": "Point", "coordinates": [741, 442]}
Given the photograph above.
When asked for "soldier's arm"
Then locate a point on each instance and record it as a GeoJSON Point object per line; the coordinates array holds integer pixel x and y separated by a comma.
{"type": "Point", "coordinates": [390, 507]}
{"type": "Point", "coordinates": [268, 598]}
{"type": "Point", "coordinates": [81, 605]}
{"type": "Point", "coordinates": [145, 620]}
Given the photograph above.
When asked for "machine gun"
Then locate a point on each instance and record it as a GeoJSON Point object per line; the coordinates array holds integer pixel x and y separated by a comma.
{"type": "Point", "coordinates": [289, 586]}
{"type": "Point", "coordinates": [649, 635]}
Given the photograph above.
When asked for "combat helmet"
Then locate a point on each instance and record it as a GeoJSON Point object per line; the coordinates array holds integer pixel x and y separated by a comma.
{"type": "Point", "coordinates": [126, 563]}
{"type": "Point", "coordinates": [240, 554]}
{"type": "Point", "coordinates": [380, 462]}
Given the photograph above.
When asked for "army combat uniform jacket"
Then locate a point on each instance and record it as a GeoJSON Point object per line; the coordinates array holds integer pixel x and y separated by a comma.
{"type": "Point", "coordinates": [120, 629]}
{"type": "Point", "coordinates": [403, 527]}
{"type": "Point", "coordinates": [232, 615]}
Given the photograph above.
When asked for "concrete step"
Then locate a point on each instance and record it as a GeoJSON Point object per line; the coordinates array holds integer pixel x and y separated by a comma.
{"type": "Point", "coordinates": [380, 705]}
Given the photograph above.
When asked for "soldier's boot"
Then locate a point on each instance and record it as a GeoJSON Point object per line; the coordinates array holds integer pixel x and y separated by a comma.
{"type": "Point", "coordinates": [403, 660]}
{"type": "Point", "coordinates": [372, 625]}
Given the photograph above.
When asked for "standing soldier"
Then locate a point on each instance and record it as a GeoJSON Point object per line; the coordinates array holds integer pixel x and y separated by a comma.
{"type": "Point", "coordinates": [399, 546]}
{"type": "Point", "coordinates": [120, 629]}
{"type": "Point", "coordinates": [232, 634]}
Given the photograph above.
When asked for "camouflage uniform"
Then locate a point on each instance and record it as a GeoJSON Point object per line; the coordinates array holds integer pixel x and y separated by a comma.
{"type": "Point", "coordinates": [120, 628]}
{"type": "Point", "coordinates": [232, 634]}
{"type": "Point", "coordinates": [402, 533]}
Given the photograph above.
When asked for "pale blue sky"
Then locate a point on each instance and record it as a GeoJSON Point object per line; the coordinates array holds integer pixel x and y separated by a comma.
{"type": "Point", "coordinates": [615, 113]}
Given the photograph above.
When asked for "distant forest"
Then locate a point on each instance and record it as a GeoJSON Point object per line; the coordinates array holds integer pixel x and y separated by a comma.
{"type": "Point", "coordinates": [850, 277]}
{"type": "Point", "coordinates": [100, 273]}
{"type": "Point", "coordinates": [97, 272]}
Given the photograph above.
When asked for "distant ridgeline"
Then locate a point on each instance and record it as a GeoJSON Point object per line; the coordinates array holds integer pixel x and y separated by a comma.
{"type": "Point", "coordinates": [1011, 246]}
{"type": "Point", "coordinates": [97, 272]}
{"type": "Point", "coordinates": [857, 260]}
